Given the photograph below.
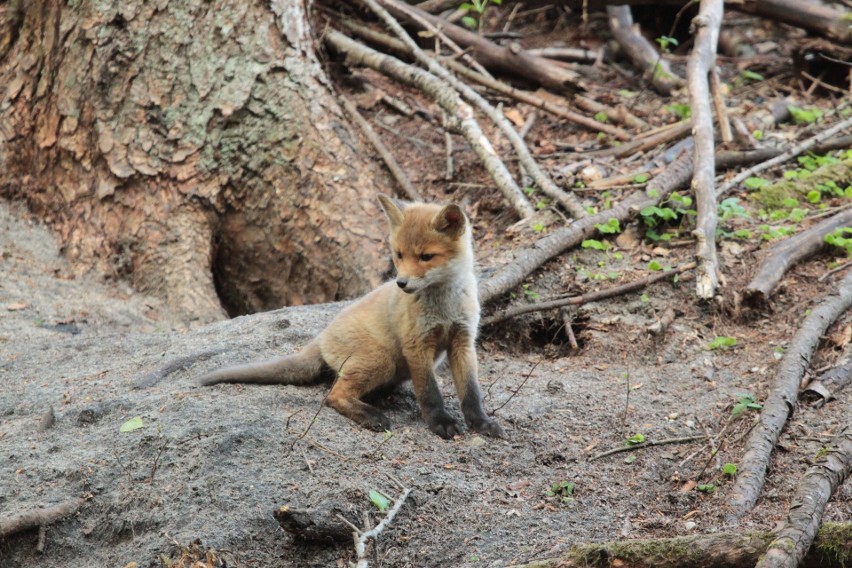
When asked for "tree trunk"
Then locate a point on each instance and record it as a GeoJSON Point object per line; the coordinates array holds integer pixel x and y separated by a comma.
{"type": "Point", "coordinates": [182, 142]}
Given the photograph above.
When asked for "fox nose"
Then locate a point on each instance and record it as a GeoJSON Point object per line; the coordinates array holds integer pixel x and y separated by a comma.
{"type": "Point", "coordinates": [402, 282]}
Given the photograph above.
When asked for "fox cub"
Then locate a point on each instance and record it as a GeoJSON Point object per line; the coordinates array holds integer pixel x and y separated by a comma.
{"type": "Point", "coordinates": [399, 330]}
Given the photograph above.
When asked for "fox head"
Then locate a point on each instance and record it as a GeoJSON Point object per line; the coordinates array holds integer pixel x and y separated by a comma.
{"type": "Point", "coordinates": [431, 244]}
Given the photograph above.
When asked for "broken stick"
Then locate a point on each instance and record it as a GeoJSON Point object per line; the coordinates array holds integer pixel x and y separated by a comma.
{"type": "Point", "coordinates": [37, 517]}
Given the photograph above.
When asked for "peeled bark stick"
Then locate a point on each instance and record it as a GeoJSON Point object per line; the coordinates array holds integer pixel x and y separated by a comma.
{"type": "Point", "coordinates": [542, 180]}
{"type": "Point", "coordinates": [644, 56]}
{"type": "Point", "coordinates": [393, 166]}
{"type": "Point", "coordinates": [787, 253]}
{"type": "Point", "coordinates": [719, 104]}
{"type": "Point", "coordinates": [459, 113]}
{"type": "Point", "coordinates": [819, 483]}
{"type": "Point", "coordinates": [782, 399]}
{"type": "Point", "coordinates": [527, 260]}
{"type": "Point", "coordinates": [618, 114]}
{"type": "Point", "coordinates": [796, 150]}
{"type": "Point", "coordinates": [37, 517]}
{"type": "Point", "coordinates": [715, 550]}
{"type": "Point", "coordinates": [595, 296]}
{"type": "Point", "coordinates": [701, 64]}
{"type": "Point", "coordinates": [512, 60]}
{"type": "Point", "coordinates": [818, 18]}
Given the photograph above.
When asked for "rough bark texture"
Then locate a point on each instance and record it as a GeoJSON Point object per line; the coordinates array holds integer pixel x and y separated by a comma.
{"type": "Point", "coordinates": [782, 399]}
{"type": "Point", "coordinates": [173, 140]}
{"type": "Point", "coordinates": [793, 541]}
{"type": "Point", "coordinates": [719, 550]}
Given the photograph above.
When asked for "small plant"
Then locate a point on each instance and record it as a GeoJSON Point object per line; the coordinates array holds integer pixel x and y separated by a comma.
{"type": "Point", "coordinates": [542, 204]}
{"type": "Point", "coordinates": [706, 488]}
{"type": "Point", "coordinates": [655, 266]}
{"type": "Point", "coordinates": [635, 439]}
{"type": "Point", "coordinates": [611, 227]}
{"type": "Point", "coordinates": [745, 402]}
{"type": "Point", "coordinates": [641, 178]}
{"type": "Point", "coordinates": [722, 342]}
{"type": "Point", "coordinates": [379, 500]}
{"type": "Point", "coordinates": [594, 244]}
{"type": "Point", "coordinates": [755, 182]}
{"type": "Point", "coordinates": [757, 134]}
{"type": "Point", "coordinates": [478, 7]}
{"type": "Point", "coordinates": [730, 208]}
{"type": "Point", "coordinates": [530, 294]}
{"type": "Point", "coordinates": [729, 469]}
{"type": "Point", "coordinates": [665, 42]}
{"type": "Point", "coordinates": [562, 489]}
{"type": "Point", "coordinates": [131, 425]}
{"type": "Point", "coordinates": [538, 227]}
{"type": "Point", "coordinates": [751, 75]}
{"type": "Point", "coordinates": [804, 116]}
{"type": "Point", "coordinates": [768, 233]}
{"type": "Point", "coordinates": [841, 237]}
{"type": "Point", "coordinates": [602, 117]}
{"type": "Point", "coordinates": [681, 111]}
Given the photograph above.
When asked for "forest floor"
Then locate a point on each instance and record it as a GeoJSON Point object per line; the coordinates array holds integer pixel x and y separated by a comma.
{"type": "Point", "coordinates": [210, 466]}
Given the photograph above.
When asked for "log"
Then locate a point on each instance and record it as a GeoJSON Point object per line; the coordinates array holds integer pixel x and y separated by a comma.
{"type": "Point", "coordinates": [718, 550]}
{"type": "Point", "coordinates": [819, 483]}
{"type": "Point", "coordinates": [782, 399]}
{"type": "Point", "coordinates": [787, 253]}
{"type": "Point", "coordinates": [37, 517]}
{"type": "Point", "coordinates": [817, 18]}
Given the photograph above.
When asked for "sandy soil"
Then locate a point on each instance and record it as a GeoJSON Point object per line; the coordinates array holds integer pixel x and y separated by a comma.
{"type": "Point", "coordinates": [211, 465]}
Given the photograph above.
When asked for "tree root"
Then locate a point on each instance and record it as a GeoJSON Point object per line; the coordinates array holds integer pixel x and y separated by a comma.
{"type": "Point", "coordinates": [37, 517]}
{"type": "Point", "coordinates": [782, 399]}
{"type": "Point", "coordinates": [701, 64]}
{"type": "Point", "coordinates": [460, 114]}
{"type": "Point", "coordinates": [717, 550]}
{"type": "Point", "coordinates": [819, 483]}
{"type": "Point", "coordinates": [787, 253]}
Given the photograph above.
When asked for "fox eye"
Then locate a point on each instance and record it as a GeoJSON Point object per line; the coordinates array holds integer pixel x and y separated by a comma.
{"type": "Point", "coordinates": [399, 254]}
{"type": "Point", "coordinates": [426, 257]}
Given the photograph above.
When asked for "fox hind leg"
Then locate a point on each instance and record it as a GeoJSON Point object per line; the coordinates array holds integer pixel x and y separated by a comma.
{"type": "Point", "coordinates": [352, 384]}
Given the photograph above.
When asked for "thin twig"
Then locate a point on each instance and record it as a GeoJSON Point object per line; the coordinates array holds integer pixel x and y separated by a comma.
{"type": "Point", "coordinates": [517, 390]}
{"type": "Point", "coordinates": [585, 298]}
{"type": "Point", "coordinates": [626, 404]}
{"type": "Point", "coordinates": [631, 448]}
{"type": "Point", "coordinates": [393, 166]}
{"type": "Point", "coordinates": [362, 538]}
{"type": "Point", "coordinates": [796, 150]}
{"type": "Point", "coordinates": [322, 403]}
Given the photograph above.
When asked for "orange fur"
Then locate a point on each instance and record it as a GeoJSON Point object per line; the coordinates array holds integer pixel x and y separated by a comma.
{"type": "Point", "coordinates": [401, 329]}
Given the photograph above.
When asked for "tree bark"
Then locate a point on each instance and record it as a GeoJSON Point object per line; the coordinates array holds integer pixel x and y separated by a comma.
{"type": "Point", "coordinates": [174, 142]}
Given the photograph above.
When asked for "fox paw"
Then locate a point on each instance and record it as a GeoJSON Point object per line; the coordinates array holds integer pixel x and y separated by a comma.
{"type": "Point", "coordinates": [488, 427]}
{"type": "Point", "coordinates": [445, 425]}
{"type": "Point", "coordinates": [375, 421]}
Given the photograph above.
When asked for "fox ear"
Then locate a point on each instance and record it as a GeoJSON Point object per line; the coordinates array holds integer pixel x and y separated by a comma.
{"type": "Point", "coordinates": [450, 220]}
{"type": "Point", "coordinates": [393, 210]}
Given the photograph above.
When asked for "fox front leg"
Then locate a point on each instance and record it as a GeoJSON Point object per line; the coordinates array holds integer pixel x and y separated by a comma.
{"type": "Point", "coordinates": [463, 365]}
{"type": "Point", "coordinates": [429, 396]}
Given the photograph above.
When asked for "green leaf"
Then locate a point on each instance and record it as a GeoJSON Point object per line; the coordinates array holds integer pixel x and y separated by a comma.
{"type": "Point", "coordinates": [636, 439]}
{"type": "Point", "coordinates": [707, 488]}
{"type": "Point", "coordinates": [729, 469]}
{"type": "Point", "coordinates": [134, 423]}
{"type": "Point", "coordinates": [630, 459]}
{"type": "Point", "coordinates": [755, 182]}
{"type": "Point", "coordinates": [758, 134]}
{"type": "Point", "coordinates": [722, 342]}
{"type": "Point", "coordinates": [470, 22]}
{"type": "Point", "coordinates": [601, 117]}
{"type": "Point", "coordinates": [751, 75]}
{"type": "Point", "coordinates": [612, 226]}
{"type": "Point", "coordinates": [538, 227]}
{"type": "Point", "coordinates": [379, 500]}
{"type": "Point", "coordinates": [641, 178]}
{"type": "Point", "coordinates": [593, 244]}
{"type": "Point", "coordinates": [813, 196]}
{"type": "Point", "coordinates": [655, 266]}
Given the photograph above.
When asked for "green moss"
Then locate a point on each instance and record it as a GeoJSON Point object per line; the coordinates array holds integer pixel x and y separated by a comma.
{"type": "Point", "coordinates": [832, 544]}
{"type": "Point", "coordinates": [772, 196]}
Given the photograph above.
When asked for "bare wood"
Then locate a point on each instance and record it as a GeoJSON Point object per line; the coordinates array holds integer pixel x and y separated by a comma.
{"type": "Point", "coordinates": [512, 60]}
{"type": "Point", "coordinates": [618, 114]}
{"type": "Point", "coordinates": [578, 54]}
{"type": "Point", "coordinates": [818, 18]}
{"type": "Point", "coordinates": [660, 326]}
{"type": "Point", "coordinates": [740, 549]}
{"type": "Point", "coordinates": [701, 63]}
{"type": "Point", "coordinates": [640, 51]}
{"type": "Point", "coordinates": [738, 158]}
{"type": "Point", "coordinates": [783, 398]}
{"type": "Point", "coordinates": [37, 517]}
{"type": "Point", "coordinates": [393, 166]}
{"type": "Point", "coordinates": [796, 150]}
{"type": "Point", "coordinates": [459, 113]}
{"type": "Point", "coordinates": [819, 483]}
{"type": "Point", "coordinates": [595, 296]}
{"type": "Point", "coordinates": [362, 538]}
{"type": "Point", "coordinates": [646, 141]}
{"type": "Point", "coordinates": [719, 107]}
{"type": "Point", "coordinates": [648, 444]}
{"type": "Point", "coordinates": [787, 253]}
{"type": "Point", "coordinates": [529, 259]}
{"type": "Point", "coordinates": [568, 200]}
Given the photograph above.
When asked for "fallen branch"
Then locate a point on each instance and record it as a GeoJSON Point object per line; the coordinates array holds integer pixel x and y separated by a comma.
{"type": "Point", "coordinates": [527, 260]}
{"type": "Point", "coordinates": [782, 399]}
{"type": "Point", "coordinates": [787, 253]}
{"type": "Point", "coordinates": [393, 166]}
{"type": "Point", "coordinates": [701, 64]}
{"type": "Point", "coordinates": [796, 150]}
{"type": "Point", "coordinates": [37, 517]}
{"type": "Point", "coordinates": [460, 115]}
{"type": "Point", "coordinates": [512, 60]}
{"type": "Point", "coordinates": [818, 18]}
{"type": "Point", "coordinates": [567, 200]}
{"type": "Point", "coordinates": [361, 538]}
{"type": "Point", "coordinates": [640, 51]}
{"type": "Point", "coordinates": [595, 296]}
{"type": "Point", "coordinates": [819, 483]}
{"type": "Point", "coordinates": [826, 387]}
{"type": "Point", "coordinates": [715, 550]}
{"type": "Point", "coordinates": [648, 444]}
